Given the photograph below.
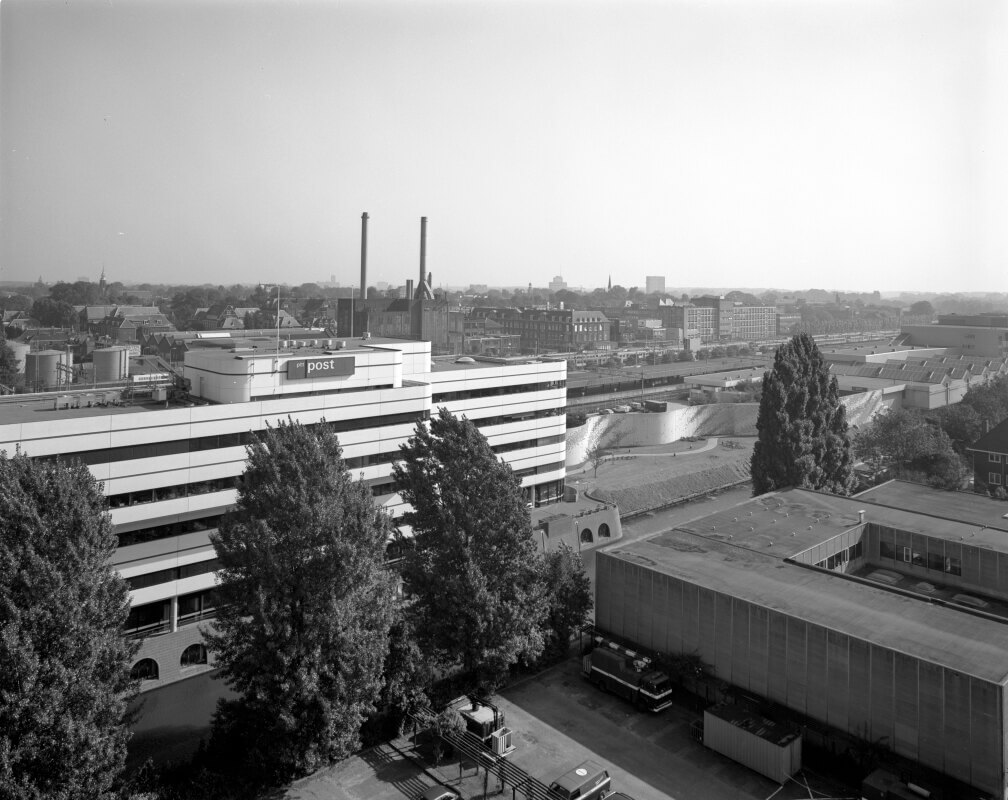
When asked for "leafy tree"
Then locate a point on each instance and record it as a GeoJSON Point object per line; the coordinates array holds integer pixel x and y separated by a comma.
{"type": "Point", "coordinates": [961, 422]}
{"type": "Point", "coordinates": [78, 293]}
{"type": "Point", "coordinates": [16, 302]}
{"type": "Point", "coordinates": [406, 671]}
{"type": "Point", "coordinates": [8, 364]}
{"type": "Point", "coordinates": [447, 725]}
{"type": "Point", "coordinates": [922, 308]}
{"type": "Point", "coordinates": [916, 449]}
{"type": "Point", "coordinates": [306, 607]}
{"type": "Point", "coordinates": [990, 401]}
{"type": "Point", "coordinates": [569, 597]}
{"type": "Point", "coordinates": [64, 683]}
{"type": "Point", "coordinates": [54, 313]}
{"type": "Point", "coordinates": [473, 574]}
{"type": "Point", "coordinates": [802, 425]}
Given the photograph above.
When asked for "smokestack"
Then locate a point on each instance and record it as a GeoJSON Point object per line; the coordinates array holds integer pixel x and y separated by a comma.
{"type": "Point", "coordinates": [363, 255]}
{"type": "Point", "coordinates": [363, 266]}
{"type": "Point", "coordinates": [423, 254]}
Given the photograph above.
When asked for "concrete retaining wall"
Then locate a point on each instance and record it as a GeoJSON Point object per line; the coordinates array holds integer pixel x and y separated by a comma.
{"type": "Point", "coordinates": [737, 419]}
{"type": "Point", "coordinates": [642, 429]}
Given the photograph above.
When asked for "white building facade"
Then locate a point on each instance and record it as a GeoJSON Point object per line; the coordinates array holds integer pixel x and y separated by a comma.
{"type": "Point", "coordinates": [169, 469]}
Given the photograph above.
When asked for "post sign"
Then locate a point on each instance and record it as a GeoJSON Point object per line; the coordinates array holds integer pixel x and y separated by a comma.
{"type": "Point", "coordinates": [304, 369]}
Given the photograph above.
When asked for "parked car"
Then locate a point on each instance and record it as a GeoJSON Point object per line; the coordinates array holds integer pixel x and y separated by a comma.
{"type": "Point", "coordinates": [439, 793]}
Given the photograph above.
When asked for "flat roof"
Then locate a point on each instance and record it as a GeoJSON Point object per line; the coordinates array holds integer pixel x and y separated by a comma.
{"type": "Point", "coordinates": [961, 641]}
{"type": "Point", "coordinates": [783, 524]}
{"type": "Point", "coordinates": [878, 348]}
{"type": "Point", "coordinates": [455, 364]}
{"type": "Point", "coordinates": [966, 507]}
{"type": "Point", "coordinates": [21, 408]}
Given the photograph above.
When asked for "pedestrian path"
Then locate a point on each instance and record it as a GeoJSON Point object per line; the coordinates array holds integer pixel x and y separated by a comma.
{"type": "Point", "coordinates": [710, 444]}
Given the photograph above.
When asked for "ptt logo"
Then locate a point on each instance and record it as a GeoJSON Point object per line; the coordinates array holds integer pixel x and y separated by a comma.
{"type": "Point", "coordinates": [315, 368]}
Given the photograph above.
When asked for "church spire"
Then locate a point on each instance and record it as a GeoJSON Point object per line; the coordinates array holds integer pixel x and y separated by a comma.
{"type": "Point", "coordinates": [610, 282]}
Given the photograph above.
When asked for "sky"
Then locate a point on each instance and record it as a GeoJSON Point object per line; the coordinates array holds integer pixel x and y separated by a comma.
{"type": "Point", "coordinates": [850, 145]}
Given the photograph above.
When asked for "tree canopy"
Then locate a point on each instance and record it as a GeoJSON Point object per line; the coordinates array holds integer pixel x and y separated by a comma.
{"type": "Point", "coordinates": [64, 683]}
{"type": "Point", "coordinates": [307, 605]}
{"type": "Point", "coordinates": [474, 573]}
{"type": "Point", "coordinates": [9, 375]}
{"type": "Point", "coordinates": [569, 595]}
{"type": "Point", "coordinates": [916, 448]}
{"type": "Point", "coordinates": [989, 401]}
{"type": "Point", "coordinates": [54, 313]}
{"type": "Point", "coordinates": [802, 425]}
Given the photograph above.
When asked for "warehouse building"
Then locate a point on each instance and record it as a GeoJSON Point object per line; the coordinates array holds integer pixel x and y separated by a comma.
{"type": "Point", "coordinates": [169, 460]}
{"type": "Point", "coordinates": [882, 617]}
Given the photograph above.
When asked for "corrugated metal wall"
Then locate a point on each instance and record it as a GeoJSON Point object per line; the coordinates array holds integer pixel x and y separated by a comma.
{"type": "Point", "coordinates": [950, 721]}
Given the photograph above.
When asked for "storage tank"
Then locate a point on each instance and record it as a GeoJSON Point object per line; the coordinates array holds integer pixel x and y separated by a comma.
{"type": "Point", "coordinates": [21, 349]}
{"type": "Point", "coordinates": [111, 364]}
{"type": "Point", "coordinates": [42, 368]}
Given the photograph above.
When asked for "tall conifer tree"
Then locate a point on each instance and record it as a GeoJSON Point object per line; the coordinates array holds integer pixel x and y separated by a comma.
{"type": "Point", "coordinates": [307, 606]}
{"type": "Point", "coordinates": [802, 425]}
{"type": "Point", "coordinates": [475, 575]}
{"type": "Point", "coordinates": [64, 664]}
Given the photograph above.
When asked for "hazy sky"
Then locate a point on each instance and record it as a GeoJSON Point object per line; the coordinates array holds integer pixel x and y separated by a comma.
{"type": "Point", "coordinates": [848, 144]}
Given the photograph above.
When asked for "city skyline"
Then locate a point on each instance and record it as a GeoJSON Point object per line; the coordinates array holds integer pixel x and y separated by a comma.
{"type": "Point", "coordinates": [847, 145]}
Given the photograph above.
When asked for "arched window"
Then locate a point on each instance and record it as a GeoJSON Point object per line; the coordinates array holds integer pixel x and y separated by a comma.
{"type": "Point", "coordinates": [603, 531]}
{"type": "Point", "coordinates": [586, 535]}
{"type": "Point", "coordinates": [193, 655]}
{"type": "Point", "coordinates": [146, 669]}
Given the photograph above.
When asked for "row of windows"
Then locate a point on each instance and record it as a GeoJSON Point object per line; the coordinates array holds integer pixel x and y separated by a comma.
{"type": "Point", "coordinates": [125, 499]}
{"type": "Point", "coordinates": [153, 533]}
{"type": "Point", "coordinates": [495, 391]}
{"type": "Point", "coordinates": [173, 574]}
{"type": "Point", "coordinates": [540, 470]}
{"type": "Point", "coordinates": [836, 560]}
{"type": "Point", "coordinates": [379, 489]}
{"type": "Point", "coordinates": [201, 443]}
{"type": "Point", "coordinates": [932, 559]}
{"type": "Point", "coordinates": [526, 443]}
{"type": "Point", "coordinates": [151, 618]}
{"type": "Point", "coordinates": [344, 390]}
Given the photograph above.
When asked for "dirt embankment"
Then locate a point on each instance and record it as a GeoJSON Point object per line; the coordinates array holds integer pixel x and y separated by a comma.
{"type": "Point", "coordinates": [664, 488]}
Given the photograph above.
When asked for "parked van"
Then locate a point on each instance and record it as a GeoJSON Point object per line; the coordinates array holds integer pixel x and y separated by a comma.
{"type": "Point", "coordinates": [587, 781]}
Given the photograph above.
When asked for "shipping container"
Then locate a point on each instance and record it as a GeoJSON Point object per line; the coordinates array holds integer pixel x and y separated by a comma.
{"type": "Point", "coordinates": [769, 748]}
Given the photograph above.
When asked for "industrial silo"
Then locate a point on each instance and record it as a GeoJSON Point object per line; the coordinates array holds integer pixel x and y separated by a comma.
{"type": "Point", "coordinates": [111, 364]}
{"type": "Point", "coordinates": [42, 369]}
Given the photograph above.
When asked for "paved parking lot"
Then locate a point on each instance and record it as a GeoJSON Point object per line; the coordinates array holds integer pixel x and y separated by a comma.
{"type": "Point", "coordinates": [559, 720]}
